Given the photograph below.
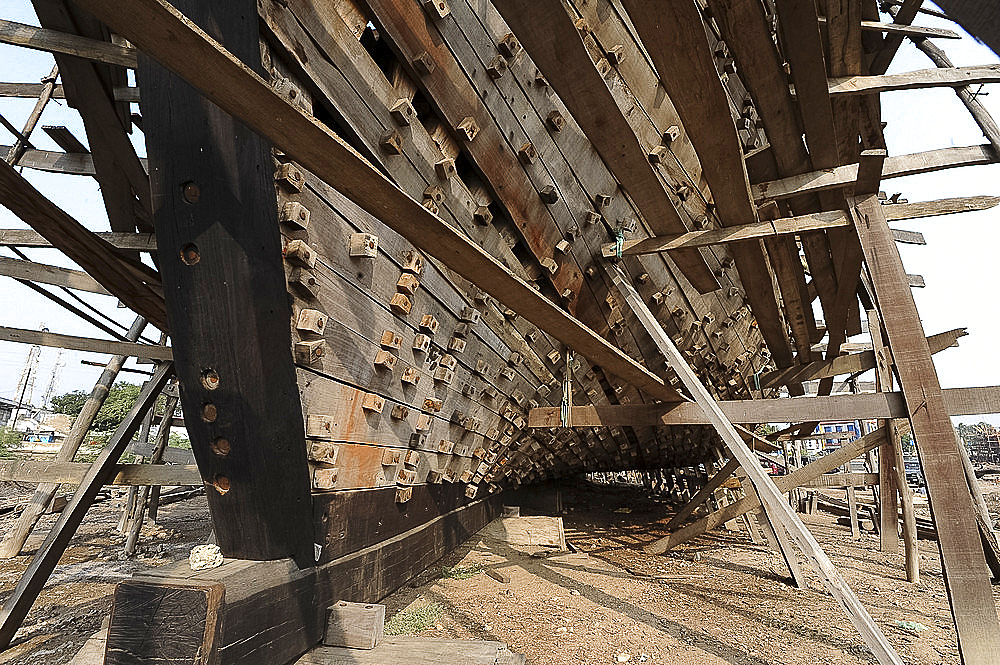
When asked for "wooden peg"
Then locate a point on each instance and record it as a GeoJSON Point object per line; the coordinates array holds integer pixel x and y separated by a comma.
{"type": "Point", "coordinates": [304, 281]}
{"type": "Point", "coordinates": [482, 215]}
{"type": "Point", "coordinates": [658, 155]}
{"type": "Point", "coordinates": [563, 246]}
{"type": "Point", "coordinates": [469, 390]}
{"type": "Point", "coordinates": [408, 284]}
{"type": "Point", "coordinates": [482, 367]}
{"type": "Point", "coordinates": [549, 264]}
{"type": "Point", "coordinates": [324, 478]}
{"type": "Point", "coordinates": [421, 343]}
{"type": "Point", "coordinates": [424, 64]}
{"type": "Point", "coordinates": [390, 457]}
{"type": "Point", "coordinates": [410, 376]}
{"type": "Point", "coordinates": [616, 55]}
{"type": "Point", "coordinates": [294, 215]}
{"type": "Point", "coordinates": [311, 321]}
{"type": "Point", "coordinates": [373, 403]}
{"type": "Point", "coordinates": [308, 352]}
{"type": "Point", "coordinates": [434, 477]}
{"type": "Point", "coordinates": [443, 375]}
{"type": "Point", "coordinates": [456, 345]}
{"type": "Point", "coordinates": [549, 194]}
{"type": "Point", "coordinates": [509, 47]}
{"type": "Point", "coordinates": [445, 169]}
{"type": "Point", "coordinates": [431, 404]}
{"type": "Point", "coordinates": [470, 315]}
{"type": "Point", "coordinates": [402, 112]}
{"type": "Point", "coordinates": [527, 154]}
{"type": "Point", "coordinates": [463, 329]}
{"type": "Point", "coordinates": [323, 451]}
{"type": "Point", "coordinates": [446, 447]}
{"type": "Point", "coordinates": [514, 359]}
{"type": "Point", "coordinates": [436, 9]}
{"type": "Point", "coordinates": [555, 121]}
{"type": "Point", "coordinates": [400, 304]}
{"type": "Point", "coordinates": [671, 134]}
{"type": "Point", "coordinates": [290, 178]}
{"type": "Point", "coordinates": [429, 324]}
{"type": "Point", "coordinates": [413, 262]}
{"type": "Point", "coordinates": [468, 129]}
{"type": "Point", "coordinates": [399, 412]}
{"type": "Point", "coordinates": [403, 494]}
{"type": "Point", "coordinates": [497, 67]}
{"type": "Point", "coordinates": [434, 193]}
{"type": "Point", "coordinates": [391, 142]}
{"type": "Point", "coordinates": [363, 245]}
{"type": "Point", "coordinates": [385, 360]}
{"type": "Point", "coordinates": [391, 340]}
{"type": "Point", "coordinates": [423, 422]}
{"type": "Point", "coordinates": [298, 253]}
{"type": "Point", "coordinates": [448, 361]}
{"type": "Point", "coordinates": [507, 374]}
{"type": "Point", "coordinates": [591, 217]}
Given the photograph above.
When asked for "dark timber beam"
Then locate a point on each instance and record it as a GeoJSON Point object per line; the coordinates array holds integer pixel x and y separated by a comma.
{"type": "Point", "coordinates": [214, 204]}
{"type": "Point", "coordinates": [962, 559]}
{"type": "Point", "coordinates": [160, 30]}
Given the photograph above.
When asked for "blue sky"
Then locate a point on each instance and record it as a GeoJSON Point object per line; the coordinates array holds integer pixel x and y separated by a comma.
{"type": "Point", "coordinates": [959, 262]}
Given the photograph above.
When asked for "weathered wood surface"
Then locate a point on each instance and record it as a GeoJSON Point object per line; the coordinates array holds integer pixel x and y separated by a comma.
{"type": "Point", "coordinates": [893, 167]}
{"type": "Point", "coordinates": [167, 35]}
{"type": "Point", "coordinates": [706, 490]}
{"type": "Point", "coordinates": [851, 364]}
{"type": "Point", "coordinates": [354, 625]}
{"type": "Point", "coordinates": [536, 531]}
{"type": "Point", "coordinates": [416, 651]}
{"type": "Point", "coordinates": [554, 44]}
{"type": "Point", "coordinates": [54, 41]}
{"type": "Point", "coordinates": [962, 557]}
{"type": "Point", "coordinates": [214, 202]}
{"type": "Point", "coordinates": [924, 78]}
{"type": "Point", "coordinates": [90, 252]}
{"type": "Point", "coordinates": [292, 602]}
{"type": "Point", "coordinates": [828, 480]}
{"type": "Point", "coordinates": [958, 402]}
{"type": "Point", "coordinates": [767, 493]}
{"type": "Point", "coordinates": [46, 274]}
{"type": "Point", "coordinates": [72, 473]}
{"type": "Point", "coordinates": [45, 338]}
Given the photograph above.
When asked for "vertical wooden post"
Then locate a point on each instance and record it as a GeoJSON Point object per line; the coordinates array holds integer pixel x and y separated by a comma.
{"type": "Point", "coordinates": [216, 225]}
{"type": "Point", "coordinates": [962, 559]}
{"type": "Point", "coordinates": [891, 456]}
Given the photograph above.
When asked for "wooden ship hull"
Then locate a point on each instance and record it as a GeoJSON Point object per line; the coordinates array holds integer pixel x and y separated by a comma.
{"type": "Point", "coordinates": [412, 255]}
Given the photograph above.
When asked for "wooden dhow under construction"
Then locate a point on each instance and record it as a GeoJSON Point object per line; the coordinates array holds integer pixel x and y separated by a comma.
{"type": "Point", "coordinates": [412, 254]}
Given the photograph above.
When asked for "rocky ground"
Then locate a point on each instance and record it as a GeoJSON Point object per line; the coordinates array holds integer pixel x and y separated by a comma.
{"type": "Point", "coordinates": [719, 599]}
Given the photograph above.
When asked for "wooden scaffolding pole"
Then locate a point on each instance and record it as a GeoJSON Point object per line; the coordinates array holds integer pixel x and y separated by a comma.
{"type": "Point", "coordinates": [772, 500]}
{"type": "Point", "coordinates": [14, 540]}
{"type": "Point", "coordinates": [101, 471]}
{"type": "Point", "coordinates": [962, 560]}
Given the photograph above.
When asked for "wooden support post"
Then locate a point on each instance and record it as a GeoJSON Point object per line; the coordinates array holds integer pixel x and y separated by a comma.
{"type": "Point", "coordinates": [702, 494]}
{"type": "Point", "coordinates": [852, 506]}
{"type": "Point", "coordinates": [769, 495]}
{"type": "Point", "coordinates": [14, 540]}
{"type": "Point", "coordinates": [162, 439]}
{"type": "Point", "coordinates": [213, 199]}
{"type": "Point", "coordinates": [890, 467]}
{"type": "Point", "coordinates": [962, 558]}
{"type": "Point", "coordinates": [19, 602]}
{"type": "Point", "coordinates": [778, 540]}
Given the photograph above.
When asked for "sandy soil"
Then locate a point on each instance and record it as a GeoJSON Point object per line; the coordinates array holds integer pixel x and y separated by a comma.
{"type": "Point", "coordinates": [719, 599]}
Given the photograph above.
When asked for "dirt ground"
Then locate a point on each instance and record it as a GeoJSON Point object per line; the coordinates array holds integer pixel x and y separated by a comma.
{"type": "Point", "coordinates": [719, 599]}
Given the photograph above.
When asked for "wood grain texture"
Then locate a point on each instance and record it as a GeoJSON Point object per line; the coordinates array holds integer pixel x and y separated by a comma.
{"type": "Point", "coordinates": [72, 473]}
{"type": "Point", "coordinates": [962, 556]}
{"type": "Point", "coordinates": [923, 78]}
{"type": "Point", "coordinates": [167, 35]}
{"type": "Point", "coordinates": [553, 42]}
{"type": "Point", "coordinates": [53, 41]}
{"type": "Point", "coordinates": [110, 347]}
{"type": "Point", "coordinates": [228, 304]}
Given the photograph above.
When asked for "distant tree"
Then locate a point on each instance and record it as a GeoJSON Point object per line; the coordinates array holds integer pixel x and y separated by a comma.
{"type": "Point", "coordinates": [9, 439]}
{"type": "Point", "coordinates": [764, 429]}
{"type": "Point", "coordinates": [121, 398]}
{"type": "Point", "coordinates": [71, 403]}
{"type": "Point", "coordinates": [906, 440]}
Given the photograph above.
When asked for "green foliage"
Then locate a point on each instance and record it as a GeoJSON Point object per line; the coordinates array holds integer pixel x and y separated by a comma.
{"type": "Point", "coordinates": [460, 573]}
{"type": "Point", "coordinates": [175, 440]}
{"type": "Point", "coordinates": [71, 403]}
{"type": "Point", "coordinates": [413, 620]}
{"type": "Point", "coordinates": [906, 441]}
{"type": "Point", "coordinates": [9, 439]}
{"type": "Point", "coordinates": [121, 398]}
{"type": "Point", "coordinates": [764, 429]}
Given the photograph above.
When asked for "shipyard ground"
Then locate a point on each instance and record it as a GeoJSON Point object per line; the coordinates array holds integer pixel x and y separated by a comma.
{"type": "Point", "coordinates": [717, 600]}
